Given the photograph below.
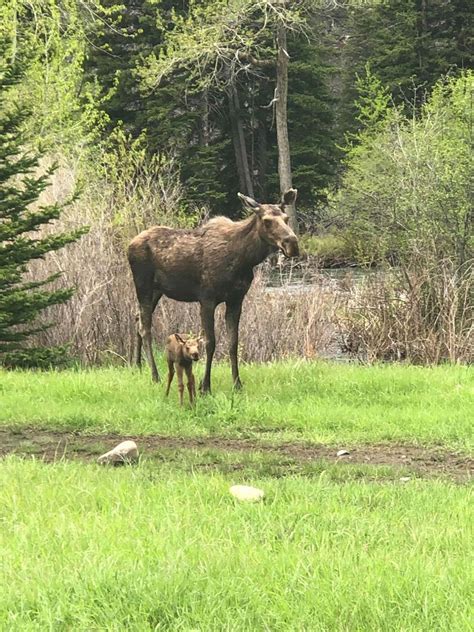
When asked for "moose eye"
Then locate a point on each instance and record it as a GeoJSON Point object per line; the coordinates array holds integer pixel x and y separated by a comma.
{"type": "Point", "coordinates": [267, 221]}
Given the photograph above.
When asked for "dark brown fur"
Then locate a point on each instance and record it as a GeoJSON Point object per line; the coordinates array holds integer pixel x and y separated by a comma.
{"type": "Point", "coordinates": [211, 265]}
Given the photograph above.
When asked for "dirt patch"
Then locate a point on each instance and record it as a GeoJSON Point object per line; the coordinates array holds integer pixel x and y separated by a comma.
{"type": "Point", "coordinates": [50, 445]}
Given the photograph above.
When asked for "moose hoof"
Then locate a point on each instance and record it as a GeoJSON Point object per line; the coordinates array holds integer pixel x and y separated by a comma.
{"type": "Point", "coordinates": [205, 389]}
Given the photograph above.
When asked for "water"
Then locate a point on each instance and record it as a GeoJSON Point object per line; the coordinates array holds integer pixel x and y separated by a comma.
{"type": "Point", "coordinates": [301, 277]}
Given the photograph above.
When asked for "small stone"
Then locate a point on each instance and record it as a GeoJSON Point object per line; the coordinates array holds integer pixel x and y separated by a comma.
{"type": "Point", "coordinates": [125, 452]}
{"type": "Point", "coordinates": [247, 493]}
{"type": "Point", "coordinates": [343, 453]}
{"type": "Point", "coordinates": [405, 479]}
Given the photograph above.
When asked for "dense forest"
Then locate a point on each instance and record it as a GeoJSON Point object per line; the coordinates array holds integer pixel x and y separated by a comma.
{"type": "Point", "coordinates": [161, 111]}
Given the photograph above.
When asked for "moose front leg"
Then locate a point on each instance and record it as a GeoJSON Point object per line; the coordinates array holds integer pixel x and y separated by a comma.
{"type": "Point", "coordinates": [232, 319]}
{"type": "Point", "coordinates": [207, 320]}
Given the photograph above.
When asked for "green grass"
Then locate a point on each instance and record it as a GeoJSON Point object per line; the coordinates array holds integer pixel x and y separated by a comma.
{"type": "Point", "coordinates": [163, 545]}
{"type": "Point", "coordinates": [325, 402]}
{"type": "Point", "coordinates": [147, 548]}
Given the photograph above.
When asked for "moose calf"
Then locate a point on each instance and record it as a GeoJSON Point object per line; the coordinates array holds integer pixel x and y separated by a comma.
{"type": "Point", "coordinates": [181, 351]}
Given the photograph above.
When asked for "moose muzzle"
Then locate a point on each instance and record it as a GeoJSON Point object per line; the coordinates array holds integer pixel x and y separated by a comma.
{"type": "Point", "coordinates": [289, 246]}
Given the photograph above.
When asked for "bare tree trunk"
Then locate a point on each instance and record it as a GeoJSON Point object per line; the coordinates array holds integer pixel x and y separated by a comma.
{"type": "Point", "coordinates": [240, 148]}
{"type": "Point", "coordinates": [262, 159]}
{"type": "Point", "coordinates": [204, 127]}
{"type": "Point", "coordinates": [281, 115]}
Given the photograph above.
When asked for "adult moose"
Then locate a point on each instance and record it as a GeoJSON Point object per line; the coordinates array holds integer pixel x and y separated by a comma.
{"type": "Point", "coordinates": [212, 264]}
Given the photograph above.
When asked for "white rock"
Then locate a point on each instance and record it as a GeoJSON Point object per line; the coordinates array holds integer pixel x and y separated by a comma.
{"type": "Point", "coordinates": [249, 494]}
{"type": "Point", "coordinates": [342, 453]}
{"type": "Point", "coordinates": [122, 453]}
{"type": "Point", "coordinates": [405, 479]}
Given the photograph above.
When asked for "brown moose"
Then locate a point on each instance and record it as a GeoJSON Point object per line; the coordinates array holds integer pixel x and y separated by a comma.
{"type": "Point", "coordinates": [211, 265]}
{"type": "Point", "coordinates": [181, 351]}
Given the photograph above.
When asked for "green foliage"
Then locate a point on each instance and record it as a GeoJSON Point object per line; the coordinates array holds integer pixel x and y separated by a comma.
{"type": "Point", "coordinates": [20, 219]}
{"type": "Point", "coordinates": [331, 249]}
{"type": "Point", "coordinates": [54, 36]}
{"type": "Point", "coordinates": [408, 187]}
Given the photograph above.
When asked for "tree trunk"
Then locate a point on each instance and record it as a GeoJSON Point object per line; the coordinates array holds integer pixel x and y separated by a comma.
{"type": "Point", "coordinates": [204, 127]}
{"type": "Point", "coordinates": [281, 115]}
{"type": "Point", "coordinates": [240, 148]}
{"type": "Point", "coordinates": [262, 159]}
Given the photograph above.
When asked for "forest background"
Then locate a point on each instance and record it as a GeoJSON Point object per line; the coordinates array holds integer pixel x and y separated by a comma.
{"type": "Point", "coordinates": [160, 112]}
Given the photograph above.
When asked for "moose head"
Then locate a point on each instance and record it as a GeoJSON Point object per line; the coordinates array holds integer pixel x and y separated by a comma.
{"type": "Point", "coordinates": [272, 221]}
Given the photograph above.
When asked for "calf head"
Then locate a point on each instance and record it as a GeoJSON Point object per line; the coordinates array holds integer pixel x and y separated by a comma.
{"type": "Point", "coordinates": [272, 223]}
{"type": "Point", "coordinates": [189, 347]}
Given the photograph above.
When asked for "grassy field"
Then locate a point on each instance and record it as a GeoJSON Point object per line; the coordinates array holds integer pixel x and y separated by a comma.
{"type": "Point", "coordinates": [141, 549]}
{"type": "Point", "coordinates": [321, 401]}
{"type": "Point", "coordinates": [163, 545]}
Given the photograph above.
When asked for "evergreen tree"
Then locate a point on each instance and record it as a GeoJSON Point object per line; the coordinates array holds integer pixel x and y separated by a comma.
{"type": "Point", "coordinates": [21, 301]}
{"type": "Point", "coordinates": [311, 121]}
{"type": "Point", "coordinates": [408, 44]}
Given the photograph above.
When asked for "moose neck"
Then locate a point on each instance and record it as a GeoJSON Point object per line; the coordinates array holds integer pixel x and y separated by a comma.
{"type": "Point", "coordinates": [253, 250]}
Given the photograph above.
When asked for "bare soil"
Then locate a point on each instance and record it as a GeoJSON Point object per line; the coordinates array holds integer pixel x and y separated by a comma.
{"type": "Point", "coordinates": [422, 461]}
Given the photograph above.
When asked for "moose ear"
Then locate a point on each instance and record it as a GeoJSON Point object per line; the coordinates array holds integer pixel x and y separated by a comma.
{"type": "Point", "coordinates": [179, 339]}
{"type": "Point", "coordinates": [289, 197]}
{"type": "Point", "coordinates": [249, 202]}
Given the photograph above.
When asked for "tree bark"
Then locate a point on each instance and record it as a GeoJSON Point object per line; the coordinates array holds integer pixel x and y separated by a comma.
{"type": "Point", "coordinates": [240, 148]}
{"type": "Point", "coordinates": [281, 116]}
{"type": "Point", "coordinates": [262, 159]}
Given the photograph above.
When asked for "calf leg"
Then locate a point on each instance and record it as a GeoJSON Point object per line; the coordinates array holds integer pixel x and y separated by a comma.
{"type": "Point", "coordinates": [191, 384]}
{"type": "Point", "coordinates": [170, 376]}
{"type": "Point", "coordinates": [207, 319]}
{"type": "Point", "coordinates": [179, 372]}
{"type": "Point", "coordinates": [232, 318]}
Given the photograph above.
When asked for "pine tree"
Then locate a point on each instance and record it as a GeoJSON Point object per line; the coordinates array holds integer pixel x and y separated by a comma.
{"type": "Point", "coordinates": [22, 301]}
{"type": "Point", "coordinates": [408, 44]}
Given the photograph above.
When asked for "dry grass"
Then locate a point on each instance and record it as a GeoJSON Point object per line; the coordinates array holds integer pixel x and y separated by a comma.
{"type": "Point", "coordinates": [99, 321]}
{"type": "Point", "coordinates": [422, 314]}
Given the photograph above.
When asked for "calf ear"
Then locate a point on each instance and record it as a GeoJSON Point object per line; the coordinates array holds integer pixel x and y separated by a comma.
{"type": "Point", "coordinates": [289, 197]}
{"type": "Point", "coordinates": [179, 339]}
{"type": "Point", "coordinates": [249, 203]}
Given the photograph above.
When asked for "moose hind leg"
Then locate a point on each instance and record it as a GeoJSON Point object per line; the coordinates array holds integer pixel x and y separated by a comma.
{"type": "Point", "coordinates": [232, 318]}
{"type": "Point", "coordinates": [138, 343]}
{"type": "Point", "coordinates": [146, 313]}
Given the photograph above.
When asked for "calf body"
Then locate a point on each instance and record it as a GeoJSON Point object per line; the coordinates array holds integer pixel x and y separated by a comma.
{"type": "Point", "coordinates": [181, 351]}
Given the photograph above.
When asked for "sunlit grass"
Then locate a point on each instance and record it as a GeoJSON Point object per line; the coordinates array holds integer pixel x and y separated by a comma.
{"type": "Point", "coordinates": [143, 548]}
